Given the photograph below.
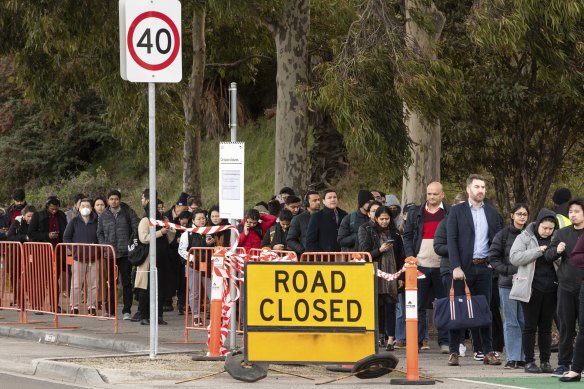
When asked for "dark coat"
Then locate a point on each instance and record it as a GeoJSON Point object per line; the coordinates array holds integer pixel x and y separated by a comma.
{"type": "Point", "coordinates": [296, 238]}
{"type": "Point", "coordinates": [38, 230]}
{"type": "Point", "coordinates": [323, 230]}
{"type": "Point", "coordinates": [78, 231]}
{"type": "Point", "coordinates": [569, 277]}
{"type": "Point", "coordinates": [348, 237]}
{"type": "Point", "coordinates": [461, 233]}
{"type": "Point", "coordinates": [275, 235]}
{"type": "Point", "coordinates": [116, 231]}
{"type": "Point", "coordinates": [13, 211]}
{"type": "Point", "coordinates": [18, 231]}
{"type": "Point", "coordinates": [414, 229]}
{"type": "Point", "coordinates": [441, 246]}
{"type": "Point", "coordinates": [370, 242]}
{"type": "Point", "coordinates": [577, 255]}
{"type": "Point", "coordinates": [499, 256]}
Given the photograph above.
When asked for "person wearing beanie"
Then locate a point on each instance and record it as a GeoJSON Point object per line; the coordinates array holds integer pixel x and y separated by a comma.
{"type": "Point", "coordinates": [349, 228]}
{"type": "Point", "coordinates": [561, 198]}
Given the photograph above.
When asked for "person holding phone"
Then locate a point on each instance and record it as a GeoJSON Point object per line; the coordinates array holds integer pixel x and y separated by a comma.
{"type": "Point", "coordinates": [382, 240]}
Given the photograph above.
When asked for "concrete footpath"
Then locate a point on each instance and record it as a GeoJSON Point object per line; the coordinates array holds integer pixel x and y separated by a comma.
{"type": "Point", "coordinates": [127, 363]}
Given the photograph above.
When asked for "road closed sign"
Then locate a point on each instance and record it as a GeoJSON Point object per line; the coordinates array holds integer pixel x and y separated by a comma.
{"type": "Point", "coordinates": [322, 312]}
{"type": "Point", "coordinates": [150, 40]}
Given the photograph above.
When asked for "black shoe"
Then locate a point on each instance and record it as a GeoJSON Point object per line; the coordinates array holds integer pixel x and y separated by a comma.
{"type": "Point", "coordinates": [532, 367]}
{"type": "Point", "coordinates": [390, 347]}
{"type": "Point", "coordinates": [566, 378]}
{"type": "Point", "coordinates": [137, 316]}
{"type": "Point", "coordinates": [181, 310]}
{"type": "Point", "coordinates": [162, 322]}
{"type": "Point", "coordinates": [511, 365]}
{"type": "Point", "coordinates": [520, 364]}
{"type": "Point", "coordinates": [554, 348]}
{"type": "Point", "coordinates": [75, 311]}
{"type": "Point", "coordinates": [546, 368]}
{"type": "Point", "coordinates": [168, 308]}
{"type": "Point", "coordinates": [93, 312]}
{"type": "Point", "coordinates": [145, 322]}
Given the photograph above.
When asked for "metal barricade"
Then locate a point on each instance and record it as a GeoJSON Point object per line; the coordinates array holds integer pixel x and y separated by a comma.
{"type": "Point", "coordinates": [90, 277]}
{"type": "Point", "coordinates": [335, 256]}
{"type": "Point", "coordinates": [40, 279]}
{"type": "Point", "coordinates": [198, 289]}
{"type": "Point", "coordinates": [11, 280]}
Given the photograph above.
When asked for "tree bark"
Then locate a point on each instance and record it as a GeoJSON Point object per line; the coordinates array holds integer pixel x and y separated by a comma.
{"type": "Point", "coordinates": [425, 136]}
{"type": "Point", "coordinates": [192, 105]}
{"type": "Point", "coordinates": [291, 36]}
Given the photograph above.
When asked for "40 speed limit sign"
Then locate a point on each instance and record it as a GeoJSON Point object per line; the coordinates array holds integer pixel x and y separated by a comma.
{"type": "Point", "coordinates": [150, 40]}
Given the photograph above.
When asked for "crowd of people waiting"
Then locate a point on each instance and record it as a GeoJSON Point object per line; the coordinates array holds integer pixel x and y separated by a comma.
{"type": "Point", "coordinates": [531, 272]}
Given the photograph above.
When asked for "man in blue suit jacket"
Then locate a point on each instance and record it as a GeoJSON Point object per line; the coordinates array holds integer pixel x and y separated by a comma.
{"type": "Point", "coordinates": [471, 228]}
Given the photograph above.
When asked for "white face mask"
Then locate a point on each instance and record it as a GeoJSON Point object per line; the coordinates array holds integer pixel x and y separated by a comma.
{"type": "Point", "coordinates": [85, 211]}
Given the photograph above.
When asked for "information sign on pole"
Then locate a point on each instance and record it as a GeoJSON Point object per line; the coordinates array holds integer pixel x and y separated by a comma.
{"type": "Point", "coordinates": [231, 178]}
{"type": "Point", "coordinates": [150, 40]}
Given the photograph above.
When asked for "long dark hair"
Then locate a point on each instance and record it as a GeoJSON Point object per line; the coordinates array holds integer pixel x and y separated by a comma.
{"type": "Point", "coordinates": [385, 209]}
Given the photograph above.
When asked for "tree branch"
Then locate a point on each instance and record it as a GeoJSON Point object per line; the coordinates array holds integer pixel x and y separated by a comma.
{"type": "Point", "coordinates": [238, 62]}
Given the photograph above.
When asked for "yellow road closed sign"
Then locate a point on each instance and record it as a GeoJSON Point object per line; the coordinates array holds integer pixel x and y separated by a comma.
{"type": "Point", "coordinates": [327, 311]}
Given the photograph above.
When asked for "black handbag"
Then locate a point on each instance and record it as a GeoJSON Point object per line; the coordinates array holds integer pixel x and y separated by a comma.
{"type": "Point", "coordinates": [461, 312]}
{"type": "Point", "coordinates": [137, 251]}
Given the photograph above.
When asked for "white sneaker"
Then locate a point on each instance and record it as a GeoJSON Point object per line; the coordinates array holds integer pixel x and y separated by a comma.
{"type": "Point", "coordinates": [462, 350]}
{"type": "Point", "coordinates": [126, 316]}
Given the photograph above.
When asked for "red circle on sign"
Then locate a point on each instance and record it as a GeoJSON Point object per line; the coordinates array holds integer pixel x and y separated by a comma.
{"type": "Point", "coordinates": [175, 33]}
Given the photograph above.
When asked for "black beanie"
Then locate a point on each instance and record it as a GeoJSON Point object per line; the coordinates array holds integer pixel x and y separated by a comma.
{"type": "Point", "coordinates": [562, 195]}
{"type": "Point", "coordinates": [363, 197]}
{"type": "Point", "coordinates": [183, 198]}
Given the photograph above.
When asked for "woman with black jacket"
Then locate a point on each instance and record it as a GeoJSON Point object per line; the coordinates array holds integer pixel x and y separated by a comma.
{"type": "Point", "coordinates": [499, 251]}
{"type": "Point", "coordinates": [18, 231]}
{"type": "Point", "coordinates": [382, 240]}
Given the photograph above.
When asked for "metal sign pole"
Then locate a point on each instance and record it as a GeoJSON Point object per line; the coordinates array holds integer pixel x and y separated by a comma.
{"type": "Point", "coordinates": [233, 127]}
{"type": "Point", "coordinates": [152, 213]}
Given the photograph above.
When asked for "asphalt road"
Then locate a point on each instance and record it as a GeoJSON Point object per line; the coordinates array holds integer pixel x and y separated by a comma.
{"type": "Point", "coordinates": [18, 381]}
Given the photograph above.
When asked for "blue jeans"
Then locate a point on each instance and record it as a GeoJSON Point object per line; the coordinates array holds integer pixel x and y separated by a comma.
{"type": "Point", "coordinates": [513, 324]}
{"type": "Point", "coordinates": [194, 289]}
{"type": "Point", "coordinates": [433, 282]}
{"type": "Point", "coordinates": [479, 279]}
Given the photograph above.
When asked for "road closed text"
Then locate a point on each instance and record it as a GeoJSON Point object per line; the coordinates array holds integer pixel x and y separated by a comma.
{"type": "Point", "coordinates": [286, 294]}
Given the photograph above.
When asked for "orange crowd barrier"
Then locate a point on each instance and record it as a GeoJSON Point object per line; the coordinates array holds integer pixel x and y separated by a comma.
{"type": "Point", "coordinates": [335, 256]}
{"type": "Point", "coordinates": [85, 280]}
{"type": "Point", "coordinates": [39, 280]}
{"type": "Point", "coordinates": [11, 285]}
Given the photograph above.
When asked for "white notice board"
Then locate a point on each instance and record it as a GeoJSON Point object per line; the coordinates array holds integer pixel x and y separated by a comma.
{"type": "Point", "coordinates": [231, 179]}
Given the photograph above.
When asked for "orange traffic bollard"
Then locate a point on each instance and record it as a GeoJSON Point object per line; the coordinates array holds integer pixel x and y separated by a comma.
{"type": "Point", "coordinates": [411, 303]}
{"type": "Point", "coordinates": [216, 308]}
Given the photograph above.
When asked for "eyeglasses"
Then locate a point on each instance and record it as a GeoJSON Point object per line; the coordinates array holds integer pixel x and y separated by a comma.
{"type": "Point", "coordinates": [521, 214]}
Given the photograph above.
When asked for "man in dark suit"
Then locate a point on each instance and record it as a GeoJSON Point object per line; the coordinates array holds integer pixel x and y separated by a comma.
{"type": "Point", "coordinates": [471, 228]}
{"type": "Point", "coordinates": [323, 226]}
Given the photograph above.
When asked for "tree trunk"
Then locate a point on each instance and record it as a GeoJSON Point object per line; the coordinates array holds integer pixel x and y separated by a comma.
{"type": "Point", "coordinates": [426, 150]}
{"type": "Point", "coordinates": [192, 103]}
{"type": "Point", "coordinates": [291, 35]}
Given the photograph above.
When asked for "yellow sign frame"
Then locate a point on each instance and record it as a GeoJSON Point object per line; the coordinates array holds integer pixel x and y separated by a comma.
{"type": "Point", "coordinates": [314, 312]}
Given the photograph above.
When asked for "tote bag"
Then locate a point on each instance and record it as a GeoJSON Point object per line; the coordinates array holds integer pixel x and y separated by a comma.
{"type": "Point", "coordinates": [461, 312]}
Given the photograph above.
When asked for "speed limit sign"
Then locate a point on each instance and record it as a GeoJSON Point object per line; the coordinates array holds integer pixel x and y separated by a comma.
{"type": "Point", "coordinates": [150, 40]}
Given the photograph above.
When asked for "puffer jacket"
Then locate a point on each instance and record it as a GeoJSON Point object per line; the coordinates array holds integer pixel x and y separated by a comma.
{"type": "Point", "coordinates": [499, 255]}
{"type": "Point", "coordinates": [115, 230]}
{"type": "Point", "coordinates": [524, 253]}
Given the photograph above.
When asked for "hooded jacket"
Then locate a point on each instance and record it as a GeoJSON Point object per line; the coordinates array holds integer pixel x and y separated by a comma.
{"type": "Point", "coordinates": [391, 201]}
{"type": "Point", "coordinates": [526, 255]}
{"type": "Point", "coordinates": [499, 255]}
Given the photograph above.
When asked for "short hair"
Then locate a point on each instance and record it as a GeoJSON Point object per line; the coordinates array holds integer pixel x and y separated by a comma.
{"type": "Point", "coordinates": [159, 202]}
{"type": "Point", "coordinates": [87, 200]}
{"type": "Point", "coordinates": [286, 215]}
{"type": "Point", "coordinates": [578, 201]}
{"type": "Point", "coordinates": [287, 190]}
{"type": "Point", "coordinates": [274, 207]}
{"type": "Point", "coordinates": [77, 197]}
{"type": "Point", "coordinates": [146, 194]}
{"type": "Point", "coordinates": [114, 192]}
{"type": "Point", "coordinates": [100, 198]}
{"type": "Point", "coordinates": [185, 215]}
{"type": "Point", "coordinates": [327, 191]}
{"type": "Point", "coordinates": [18, 194]}
{"type": "Point", "coordinates": [28, 208]}
{"type": "Point", "coordinates": [193, 200]}
{"type": "Point", "coordinates": [292, 199]}
{"type": "Point", "coordinates": [473, 177]}
{"type": "Point", "coordinates": [198, 211]}
{"type": "Point", "coordinates": [53, 200]}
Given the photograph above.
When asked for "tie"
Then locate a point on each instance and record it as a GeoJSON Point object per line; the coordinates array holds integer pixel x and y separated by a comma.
{"type": "Point", "coordinates": [337, 216]}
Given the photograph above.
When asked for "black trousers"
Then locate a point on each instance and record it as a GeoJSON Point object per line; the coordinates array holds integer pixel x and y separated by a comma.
{"type": "Point", "coordinates": [568, 303]}
{"type": "Point", "coordinates": [125, 272]}
{"type": "Point", "coordinates": [578, 363]}
{"type": "Point", "coordinates": [539, 315]}
{"type": "Point", "coordinates": [386, 318]}
{"type": "Point", "coordinates": [497, 320]}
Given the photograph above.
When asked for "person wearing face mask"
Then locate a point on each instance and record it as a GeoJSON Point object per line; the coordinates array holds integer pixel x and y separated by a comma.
{"type": "Point", "coordinates": [395, 207]}
{"type": "Point", "coordinates": [535, 285]}
{"type": "Point", "coordinates": [83, 229]}
{"type": "Point", "coordinates": [422, 223]}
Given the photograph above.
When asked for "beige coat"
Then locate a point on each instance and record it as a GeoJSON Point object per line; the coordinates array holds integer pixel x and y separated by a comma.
{"type": "Point", "coordinates": [142, 271]}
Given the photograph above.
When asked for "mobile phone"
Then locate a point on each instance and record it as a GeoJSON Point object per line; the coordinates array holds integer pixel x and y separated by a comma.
{"type": "Point", "coordinates": [209, 236]}
{"type": "Point", "coordinates": [389, 241]}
